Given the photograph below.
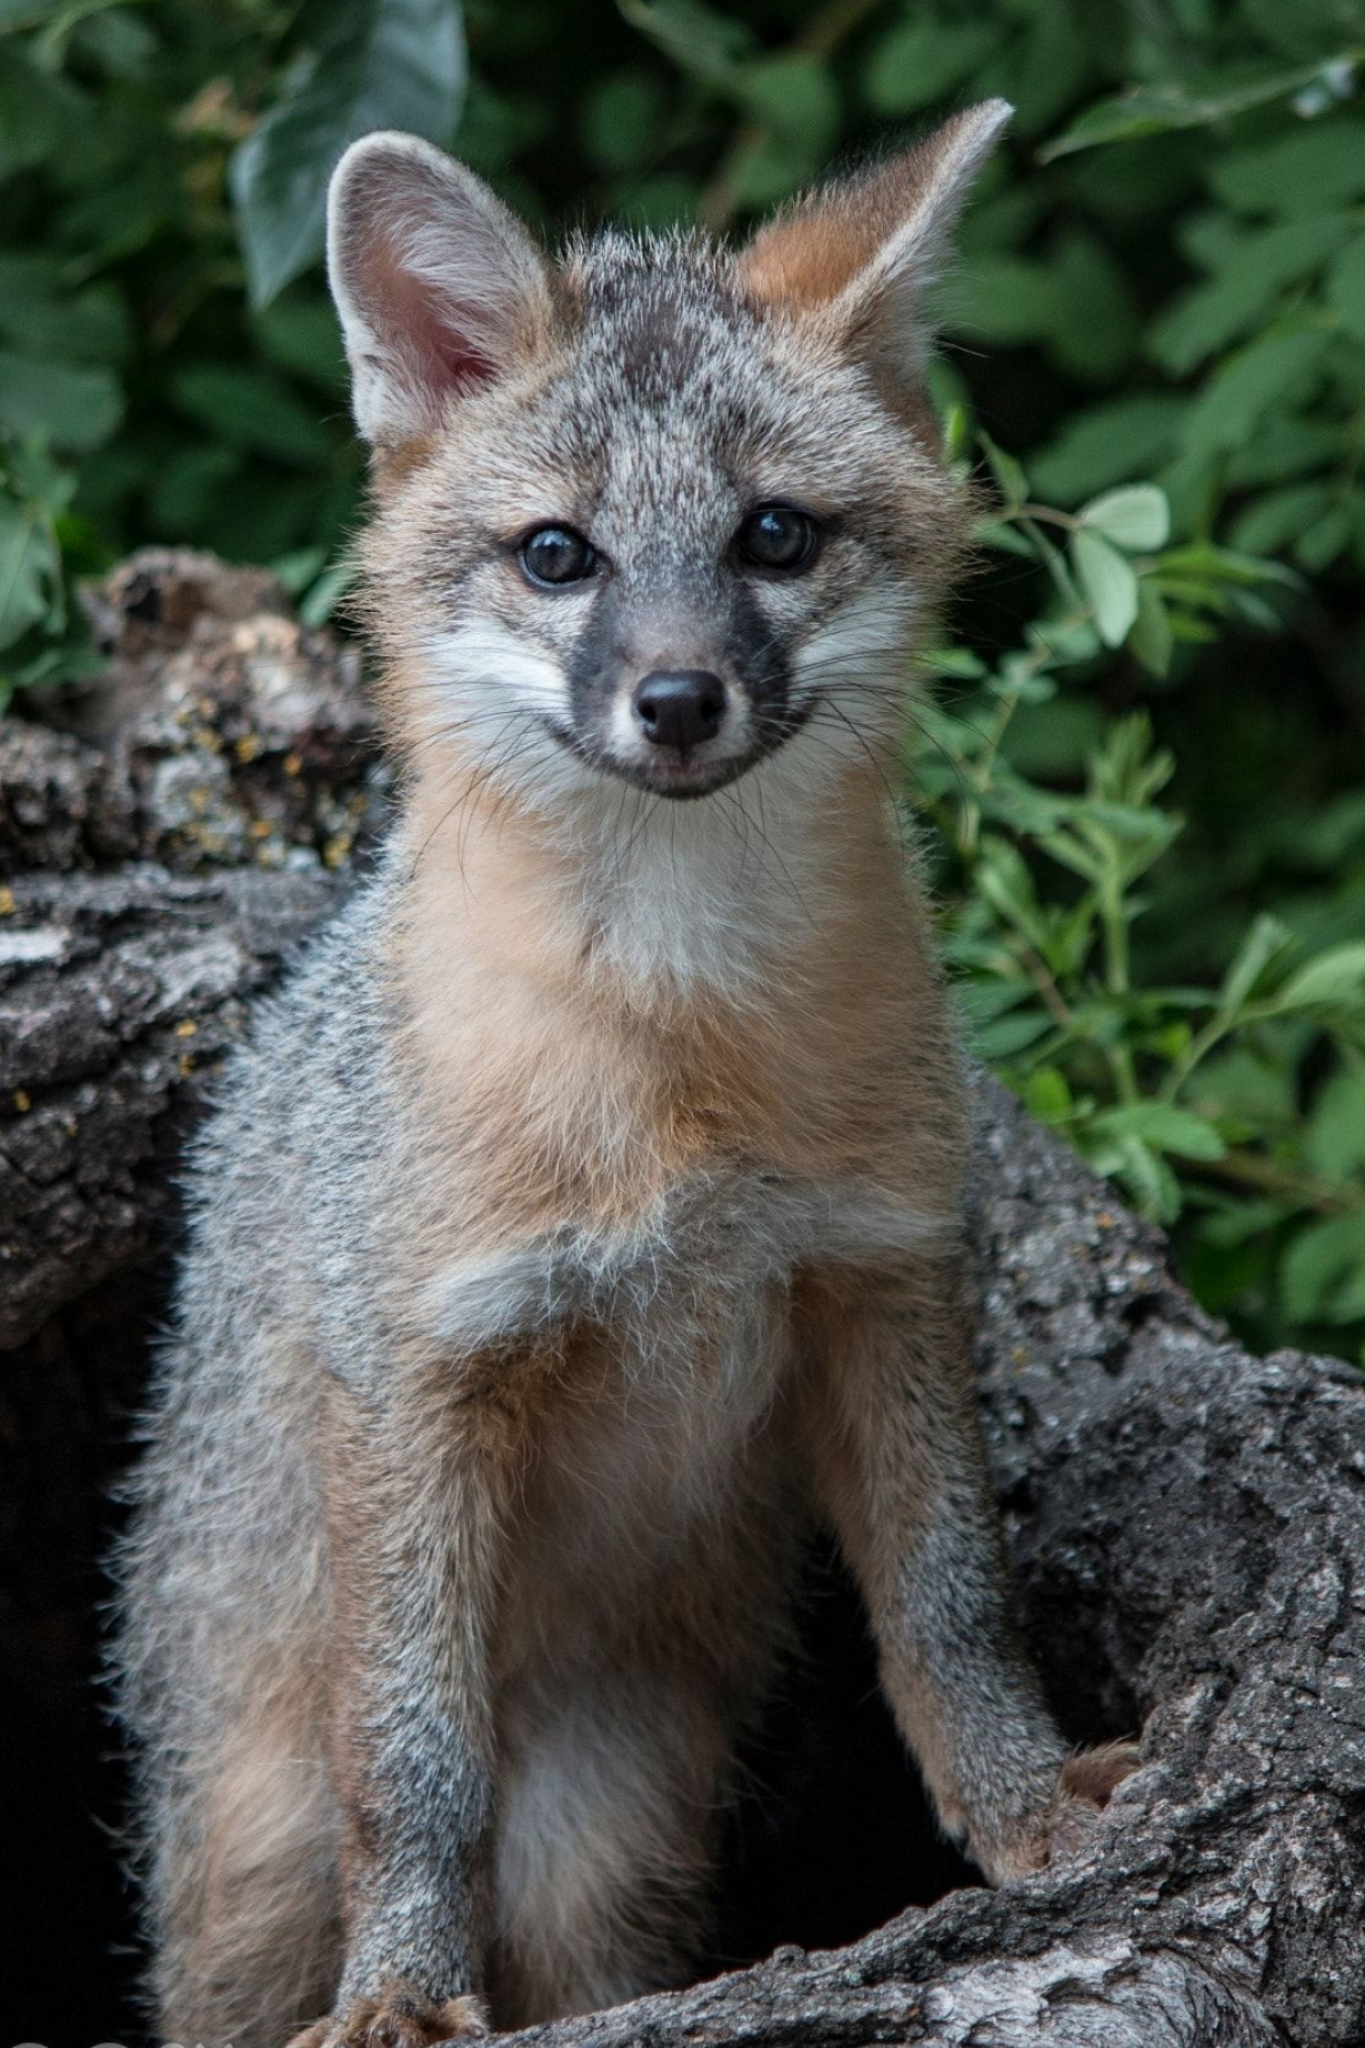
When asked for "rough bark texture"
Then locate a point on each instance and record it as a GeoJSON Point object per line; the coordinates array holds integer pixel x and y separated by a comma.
{"type": "Point", "coordinates": [1188, 1523]}
{"type": "Point", "coordinates": [158, 856]}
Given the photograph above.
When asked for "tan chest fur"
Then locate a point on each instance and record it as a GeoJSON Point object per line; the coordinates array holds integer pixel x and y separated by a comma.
{"type": "Point", "coordinates": [623, 1183]}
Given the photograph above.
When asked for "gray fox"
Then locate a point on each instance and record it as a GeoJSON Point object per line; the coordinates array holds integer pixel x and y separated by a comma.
{"type": "Point", "coordinates": [582, 1220]}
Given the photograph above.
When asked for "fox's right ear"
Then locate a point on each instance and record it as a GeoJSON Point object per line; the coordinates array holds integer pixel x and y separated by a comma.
{"type": "Point", "coordinates": [863, 250]}
{"type": "Point", "coordinates": [439, 288]}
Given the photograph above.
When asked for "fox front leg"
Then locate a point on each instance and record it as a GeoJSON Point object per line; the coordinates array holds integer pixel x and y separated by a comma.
{"type": "Point", "coordinates": [900, 1470]}
{"type": "Point", "coordinates": [412, 1536]}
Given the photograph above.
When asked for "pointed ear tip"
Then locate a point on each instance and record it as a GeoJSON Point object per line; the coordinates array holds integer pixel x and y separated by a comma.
{"type": "Point", "coordinates": [986, 119]}
{"type": "Point", "coordinates": [382, 143]}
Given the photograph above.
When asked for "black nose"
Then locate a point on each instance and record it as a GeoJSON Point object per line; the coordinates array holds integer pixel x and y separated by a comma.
{"type": "Point", "coordinates": [680, 707]}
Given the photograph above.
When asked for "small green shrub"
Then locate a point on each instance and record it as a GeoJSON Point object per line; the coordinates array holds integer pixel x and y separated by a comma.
{"type": "Point", "coordinates": [1234, 1107]}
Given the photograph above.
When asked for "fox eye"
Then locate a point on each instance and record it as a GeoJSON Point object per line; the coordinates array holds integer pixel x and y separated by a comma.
{"type": "Point", "coordinates": [556, 554]}
{"type": "Point", "coordinates": [779, 538]}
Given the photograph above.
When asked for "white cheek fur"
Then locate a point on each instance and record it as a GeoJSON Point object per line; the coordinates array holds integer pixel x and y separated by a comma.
{"type": "Point", "coordinates": [859, 645]}
{"type": "Point", "coordinates": [483, 662]}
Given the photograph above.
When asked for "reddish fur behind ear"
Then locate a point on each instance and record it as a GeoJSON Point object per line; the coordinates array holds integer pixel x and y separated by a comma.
{"type": "Point", "coordinates": [808, 256]}
{"type": "Point", "coordinates": [865, 248]}
{"type": "Point", "coordinates": [897, 212]}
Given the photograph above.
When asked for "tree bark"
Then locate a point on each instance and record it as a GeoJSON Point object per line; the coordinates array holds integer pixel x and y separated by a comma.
{"type": "Point", "coordinates": [1187, 1522]}
{"type": "Point", "coordinates": [161, 847]}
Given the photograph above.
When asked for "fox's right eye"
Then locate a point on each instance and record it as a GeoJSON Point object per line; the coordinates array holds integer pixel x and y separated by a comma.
{"type": "Point", "coordinates": [556, 554]}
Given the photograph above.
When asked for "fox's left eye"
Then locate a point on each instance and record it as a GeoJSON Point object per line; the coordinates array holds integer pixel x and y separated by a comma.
{"type": "Point", "coordinates": [556, 554]}
{"type": "Point", "coordinates": [779, 538]}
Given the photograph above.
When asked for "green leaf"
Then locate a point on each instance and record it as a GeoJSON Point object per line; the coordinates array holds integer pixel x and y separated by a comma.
{"type": "Point", "coordinates": [621, 120]}
{"type": "Point", "coordinates": [1162, 1127]}
{"type": "Point", "coordinates": [1244, 294]}
{"type": "Point", "coordinates": [39, 114]}
{"type": "Point", "coordinates": [300, 333]}
{"type": "Point", "coordinates": [1010, 1035]}
{"type": "Point", "coordinates": [1277, 518]}
{"type": "Point", "coordinates": [75, 406]}
{"type": "Point", "coordinates": [1151, 638]}
{"type": "Point", "coordinates": [1322, 1257]}
{"type": "Point", "coordinates": [998, 533]}
{"type": "Point", "coordinates": [187, 491]}
{"type": "Point", "coordinates": [1007, 885]}
{"type": "Point", "coordinates": [699, 40]}
{"type": "Point", "coordinates": [321, 601]}
{"type": "Point", "coordinates": [1004, 299]}
{"type": "Point", "coordinates": [1205, 561]}
{"type": "Point", "coordinates": [252, 410]}
{"type": "Point", "coordinates": [797, 98]}
{"type": "Point", "coordinates": [1094, 324]}
{"type": "Point", "coordinates": [1264, 373]}
{"type": "Point", "coordinates": [1336, 976]}
{"type": "Point", "coordinates": [1052, 739]}
{"type": "Point", "coordinates": [1148, 1178]}
{"type": "Point", "coordinates": [1109, 584]}
{"type": "Point", "coordinates": [1327, 537]}
{"type": "Point", "coordinates": [922, 61]}
{"type": "Point", "coordinates": [383, 64]}
{"type": "Point", "coordinates": [1346, 285]}
{"type": "Point", "coordinates": [1137, 517]}
{"type": "Point", "coordinates": [1049, 67]}
{"type": "Point", "coordinates": [1048, 1097]}
{"type": "Point", "coordinates": [40, 316]}
{"type": "Point", "coordinates": [1289, 445]}
{"type": "Point", "coordinates": [1008, 473]}
{"type": "Point", "coordinates": [1321, 164]}
{"type": "Point", "coordinates": [772, 168]}
{"type": "Point", "coordinates": [1335, 1137]}
{"type": "Point", "coordinates": [1264, 942]}
{"type": "Point", "coordinates": [112, 39]}
{"type": "Point", "coordinates": [1104, 445]}
{"type": "Point", "coordinates": [29, 566]}
{"type": "Point", "coordinates": [1182, 103]}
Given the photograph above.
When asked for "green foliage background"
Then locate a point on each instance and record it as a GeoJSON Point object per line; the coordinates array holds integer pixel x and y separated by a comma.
{"type": "Point", "coordinates": [1143, 768]}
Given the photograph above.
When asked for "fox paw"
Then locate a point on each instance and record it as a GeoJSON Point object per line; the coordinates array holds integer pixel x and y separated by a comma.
{"type": "Point", "coordinates": [1085, 1784]}
{"type": "Point", "coordinates": [397, 2019]}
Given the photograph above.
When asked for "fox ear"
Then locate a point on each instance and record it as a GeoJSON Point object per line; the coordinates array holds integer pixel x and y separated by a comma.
{"type": "Point", "coordinates": [867, 247]}
{"type": "Point", "coordinates": [438, 287]}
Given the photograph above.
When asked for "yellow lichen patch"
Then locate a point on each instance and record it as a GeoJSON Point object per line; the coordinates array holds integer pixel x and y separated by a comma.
{"type": "Point", "coordinates": [186, 1028]}
{"type": "Point", "coordinates": [293, 764]}
{"type": "Point", "coordinates": [186, 1063]}
{"type": "Point", "coordinates": [23, 1101]}
{"type": "Point", "coordinates": [247, 747]}
{"type": "Point", "coordinates": [260, 828]}
{"type": "Point", "coordinates": [204, 736]}
{"type": "Point", "coordinates": [337, 849]}
{"type": "Point", "coordinates": [6, 902]}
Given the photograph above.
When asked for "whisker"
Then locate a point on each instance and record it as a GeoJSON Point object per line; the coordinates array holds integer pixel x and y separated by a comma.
{"type": "Point", "coordinates": [833, 704]}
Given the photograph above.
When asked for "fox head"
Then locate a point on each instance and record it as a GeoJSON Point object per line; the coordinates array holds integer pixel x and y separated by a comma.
{"type": "Point", "coordinates": [657, 511]}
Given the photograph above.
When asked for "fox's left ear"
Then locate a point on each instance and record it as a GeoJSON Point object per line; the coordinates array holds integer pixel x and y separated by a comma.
{"type": "Point", "coordinates": [864, 249]}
